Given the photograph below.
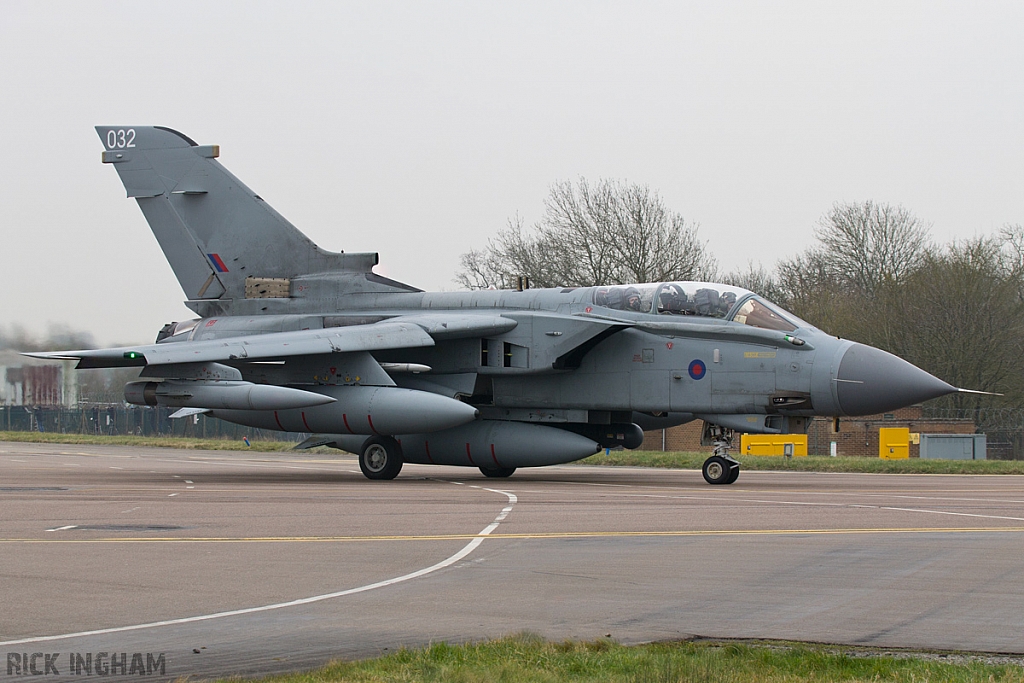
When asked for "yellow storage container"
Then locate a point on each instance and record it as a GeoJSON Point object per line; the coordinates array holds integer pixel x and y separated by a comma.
{"type": "Point", "coordinates": [773, 444]}
{"type": "Point", "coordinates": [894, 443]}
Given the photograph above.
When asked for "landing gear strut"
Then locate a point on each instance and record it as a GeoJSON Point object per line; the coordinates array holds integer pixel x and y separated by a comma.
{"type": "Point", "coordinates": [720, 468]}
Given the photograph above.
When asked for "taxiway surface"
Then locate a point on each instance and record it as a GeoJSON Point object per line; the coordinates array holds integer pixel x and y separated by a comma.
{"type": "Point", "coordinates": [253, 563]}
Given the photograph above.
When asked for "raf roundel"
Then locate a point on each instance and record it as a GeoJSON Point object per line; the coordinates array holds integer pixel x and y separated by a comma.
{"type": "Point", "coordinates": [698, 369]}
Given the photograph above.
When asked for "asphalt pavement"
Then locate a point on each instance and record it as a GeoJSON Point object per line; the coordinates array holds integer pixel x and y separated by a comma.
{"type": "Point", "coordinates": [214, 563]}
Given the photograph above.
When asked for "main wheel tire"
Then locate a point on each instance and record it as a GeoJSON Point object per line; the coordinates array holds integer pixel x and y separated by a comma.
{"type": "Point", "coordinates": [734, 476]}
{"type": "Point", "coordinates": [717, 470]}
{"type": "Point", "coordinates": [498, 472]}
{"type": "Point", "coordinates": [381, 458]}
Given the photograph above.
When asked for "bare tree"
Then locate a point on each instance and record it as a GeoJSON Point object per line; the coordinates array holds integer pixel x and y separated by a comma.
{"type": "Point", "coordinates": [962, 318]}
{"type": "Point", "coordinates": [608, 233]}
{"type": "Point", "coordinates": [849, 281]}
{"type": "Point", "coordinates": [760, 281]}
{"type": "Point", "coordinates": [869, 246]}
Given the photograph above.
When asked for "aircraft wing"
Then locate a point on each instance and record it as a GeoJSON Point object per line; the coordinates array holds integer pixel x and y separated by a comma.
{"type": "Point", "coordinates": [447, 326]}
{"type": "Point", "coordinates": [378, 336]}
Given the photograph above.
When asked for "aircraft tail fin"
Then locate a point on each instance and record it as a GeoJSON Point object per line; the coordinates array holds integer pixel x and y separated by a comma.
{"type": "Point", "coordinates": [221, 239]}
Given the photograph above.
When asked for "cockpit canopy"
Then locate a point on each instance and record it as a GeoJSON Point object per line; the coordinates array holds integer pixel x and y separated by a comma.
{"type": "Point", "coordinates": [699, 299]}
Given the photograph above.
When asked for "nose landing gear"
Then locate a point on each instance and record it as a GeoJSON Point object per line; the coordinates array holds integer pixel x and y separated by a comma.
{"type": "Point", "coordinates": [720, 468]}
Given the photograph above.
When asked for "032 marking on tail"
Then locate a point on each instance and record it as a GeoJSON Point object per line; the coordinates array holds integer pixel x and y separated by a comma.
{"type": "Point", "coordinates": [295, 338]}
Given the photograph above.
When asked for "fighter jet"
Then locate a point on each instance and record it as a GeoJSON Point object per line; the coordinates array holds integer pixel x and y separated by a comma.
{"type": "Point", "coordinates": [294, 338]}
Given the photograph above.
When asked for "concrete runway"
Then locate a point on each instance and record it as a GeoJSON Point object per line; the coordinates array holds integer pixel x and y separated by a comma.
{"type": "Point", "coordinates": [253, 563]}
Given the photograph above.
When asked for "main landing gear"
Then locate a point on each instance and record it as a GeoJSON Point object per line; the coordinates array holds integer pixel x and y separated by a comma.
{"type": "Point", "coordinates": [498, 472]}
{"type": "Point", "coordinates": [381, 458]}
{"type": "Point", "coordinates": [720, 468]}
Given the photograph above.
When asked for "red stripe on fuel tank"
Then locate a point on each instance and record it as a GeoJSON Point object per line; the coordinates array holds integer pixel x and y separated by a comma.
{"type": "Point", "coordinates": [278, 421]}
{"type": "Point", "coordinates": [370, 420]}
{"type": "Point", "coordinates": [303, 413]}
{"type": "Point", "coordinates": [494, 457]}
{"type": "Point", "coordinates": [345, 418]}
{"type": "Point", "coordinates": [469, 455]}
{"type": "Point", "coordinates": [426, 447]}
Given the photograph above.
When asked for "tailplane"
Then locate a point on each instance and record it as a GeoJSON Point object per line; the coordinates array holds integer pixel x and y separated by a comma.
{"type": "Point", "coordinates": [222, 240]}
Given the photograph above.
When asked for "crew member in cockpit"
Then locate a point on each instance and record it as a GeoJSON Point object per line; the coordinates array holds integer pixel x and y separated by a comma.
{"type": "Point", "coordinates": [633, 301]}
{"type": "Point", "coordinates": [673, 300]}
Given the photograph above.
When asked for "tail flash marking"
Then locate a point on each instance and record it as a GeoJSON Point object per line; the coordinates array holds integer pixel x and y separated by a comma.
{"type": "Point", "coordinates": [217, 263]}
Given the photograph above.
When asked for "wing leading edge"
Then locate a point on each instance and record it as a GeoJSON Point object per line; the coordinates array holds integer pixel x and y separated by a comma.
{"type": "Point", "coordinates": [257, 347]}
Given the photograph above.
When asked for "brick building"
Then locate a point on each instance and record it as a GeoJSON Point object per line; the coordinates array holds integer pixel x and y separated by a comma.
{"type": "Point", "coordinates": [856, 436]}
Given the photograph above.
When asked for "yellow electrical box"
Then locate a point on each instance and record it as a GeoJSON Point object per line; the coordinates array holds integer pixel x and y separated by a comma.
{"type": "Point", "coordinates": [773, 444]}
{"type": "Point", "coordinates": [894, 443]}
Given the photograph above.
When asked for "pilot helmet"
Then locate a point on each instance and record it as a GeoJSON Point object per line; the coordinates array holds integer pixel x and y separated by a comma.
{"type": "Point", "coordinates": [613, 298]}
{"type": "Point", "coordinates": [632, 297]}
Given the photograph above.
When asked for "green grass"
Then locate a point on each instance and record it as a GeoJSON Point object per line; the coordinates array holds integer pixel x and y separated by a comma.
{"type": "Point", "coordinates": [528, 658]}
{"type": "Point", "coordinates": [671, 459]}
{"type": "Point", "coordinates": [148, 441]}
{"type": "Point", "coordinates": [681, 460]}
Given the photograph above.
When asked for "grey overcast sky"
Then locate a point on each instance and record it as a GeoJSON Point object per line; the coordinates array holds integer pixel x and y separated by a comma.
{"type": "Point", "coordinates": [416, 129]}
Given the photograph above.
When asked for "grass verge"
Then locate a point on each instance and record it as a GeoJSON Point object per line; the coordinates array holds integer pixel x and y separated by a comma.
{"type": "Point", "coordinates": [811, 463]}
{"type": "Point", "coordinates": [528, 658]}
{"type": "Point", "coordinates": [671, 459]}
{"type": "Point", "coordinates": [148, 441]}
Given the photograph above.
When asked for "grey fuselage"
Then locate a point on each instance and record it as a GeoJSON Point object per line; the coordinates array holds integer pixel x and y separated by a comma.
{"type": "Point", "coordinates": [555, 366]}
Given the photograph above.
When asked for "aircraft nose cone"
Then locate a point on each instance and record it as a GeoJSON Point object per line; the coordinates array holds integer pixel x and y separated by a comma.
{"type": "Point", "coordinates": [872, 381]}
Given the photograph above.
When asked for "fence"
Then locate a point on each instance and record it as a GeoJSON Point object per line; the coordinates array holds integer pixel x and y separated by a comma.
{"type": "Point", "coordinates": [122, 420]}
{"type": "Point", "coordinates": [1004, 428]}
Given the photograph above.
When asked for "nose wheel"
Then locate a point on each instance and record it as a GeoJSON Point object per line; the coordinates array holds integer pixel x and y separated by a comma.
{"type": "Point", "coordinates": [720, 470]}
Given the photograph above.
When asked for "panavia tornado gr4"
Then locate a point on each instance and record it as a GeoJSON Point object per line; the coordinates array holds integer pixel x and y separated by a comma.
{"type": "Point", "coordinates": [294, 338]}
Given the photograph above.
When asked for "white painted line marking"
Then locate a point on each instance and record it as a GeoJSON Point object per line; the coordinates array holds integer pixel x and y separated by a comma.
{"type": "Point", "coordinates": [64, 528]}
{"type": "Point", "coordinates": [172, 495]}
{"type": "Point", "coordinates": [190, 487]}
{"type": "Point", "coordinates": [13, 460]}
{"type": "Point", "coordinates": [957, 514]}
{"type": "Point", "coordinates": [116, 468]}
{"type": "Point", "coordinates": [447, 562]}
{"type": "Point", "coordinates": [129, 510]}
{"type": "Point", "coordinates": [188, 481]}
